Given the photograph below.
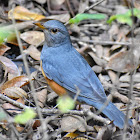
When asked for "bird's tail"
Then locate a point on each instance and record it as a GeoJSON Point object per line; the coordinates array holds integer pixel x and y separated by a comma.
{"type": "Point", "coordinates": [113, 114]}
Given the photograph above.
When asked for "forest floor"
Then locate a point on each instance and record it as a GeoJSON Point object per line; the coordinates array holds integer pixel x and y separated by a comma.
{"type": "Point", "coordinates": [111, 46]}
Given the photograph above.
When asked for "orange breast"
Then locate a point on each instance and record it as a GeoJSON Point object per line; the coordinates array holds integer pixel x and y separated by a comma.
{"type": "Point", "coordinates": [54, 86]}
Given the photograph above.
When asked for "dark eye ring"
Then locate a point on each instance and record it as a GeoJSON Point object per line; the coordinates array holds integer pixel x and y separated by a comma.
{"type": "Point", "coordinates": [54, 31]}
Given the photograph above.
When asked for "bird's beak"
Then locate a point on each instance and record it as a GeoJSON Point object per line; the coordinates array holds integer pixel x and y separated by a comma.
{"type": "Point", "coordinates": [39, 25]}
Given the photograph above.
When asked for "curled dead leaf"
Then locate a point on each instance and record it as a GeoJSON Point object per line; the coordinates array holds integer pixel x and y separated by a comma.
{"type": "Point", "coordinates": [137, 86]}
{"type": "Point", "coordinates": [11, 108]}
{"type": "Point", "coordinates": [122, 62]}
{"type": "Point", "coordinates": [41, 1]}
{"type": "Point", "coordinates": [36, 124]}
{"type": "Point", "coordinates": [42, 96]}
{"type": "Point", "coordinates": [18, 81]}
{"type": "Point", "coordinates": [99, 61]}
{"type": "Point", "coordinates": [121, 97]}
{"type": "Point", "coordinates": [19, 128]}
{"type": "Point", "coordinates": [126, 78]}
{"type": "Point", "coordinates": [71, 135]}
{"type": "Point", "coordinates": [33, 37]}
{"type": "Point", "coordinates": [33, 52]}
{"type": "Point", "coordinates": [3, 49]}
{"type": "Point", "coordinates": [15, 92]}
{"type": "Point", "coordinates": [75, 136]}
{"type": "Point", "coordinates": [62, 17]}
{"type": "Point", "coordinates": [22, 13]}
{"type": "Point", "coordinates": [104, 133]}
{"type": "Point", "coordinates": [57, 2]}
{"type": "Point", "coordinates": [73, 123]}
{"type": "Point", "coordinates": [9, 66]}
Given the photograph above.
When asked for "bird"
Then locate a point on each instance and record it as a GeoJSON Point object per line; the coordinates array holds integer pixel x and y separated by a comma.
{"type": "Point", "coordinates": [65, 69]}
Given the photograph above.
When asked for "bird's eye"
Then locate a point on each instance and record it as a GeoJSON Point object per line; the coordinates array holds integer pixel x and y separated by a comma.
{"type": "Point", "coordinates": [54, 31]}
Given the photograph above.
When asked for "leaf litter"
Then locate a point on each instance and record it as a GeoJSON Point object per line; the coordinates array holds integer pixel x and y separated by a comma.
{"type": "Point", "coordinates": [107, 51]}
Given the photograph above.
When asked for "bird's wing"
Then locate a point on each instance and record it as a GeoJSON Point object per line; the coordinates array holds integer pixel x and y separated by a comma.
{"type": "Point", "coordinates": [51, 72]}
{"type": "Point", "coordinates": [76, 73]}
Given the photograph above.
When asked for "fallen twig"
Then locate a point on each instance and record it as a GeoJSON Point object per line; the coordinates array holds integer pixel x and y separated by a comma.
{"type": "Point", "coordinates": [102, 42]}
{"type": "Point", "coordinates": [55, 111]}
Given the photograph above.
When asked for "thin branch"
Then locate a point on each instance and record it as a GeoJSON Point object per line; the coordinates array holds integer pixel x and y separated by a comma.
{"type": "Point", "coordinates": [95, 4]}
{"type": "Point", "coordinates": [102, 42]}
{"type": "Point", "coordinates": [55, 111]}
{"type": "Point", "coordinates": [28, 74]}
{"type": "Point", "coordinates": [131, 75]}
{"type": "Point", "coordinates": [13, 102]}
{"type": "Point", "coordinates": [69, 7]}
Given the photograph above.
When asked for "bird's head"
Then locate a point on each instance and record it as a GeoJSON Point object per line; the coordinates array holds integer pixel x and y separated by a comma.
{"type": "Point", "coordinates": [55, 33]}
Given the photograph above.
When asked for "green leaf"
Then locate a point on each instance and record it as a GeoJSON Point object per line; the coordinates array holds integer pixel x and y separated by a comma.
{"type": "Point", "coordinates": [126, 17]}
{"type": "Point", "coordinates": [25, 116]}
{"type": "Point", "coordinates": [65, 103]}
{"type": "Point", "coordinates": [5, 34]}
{"type": "Point", "coordinates": [112, 18]}
{"type": "Point", "coordinates": [136, 12]}
{"type": "Point", "coordinates": [122, 18]}
{"type": "Point", "coordinates": [84, 16]}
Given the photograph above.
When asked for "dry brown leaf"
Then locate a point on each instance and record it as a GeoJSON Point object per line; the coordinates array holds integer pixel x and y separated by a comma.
{"type": "Point", "coordinates": [126, 78]}
{"type": "Point", "coordinates": [97, 69]}
{"type": "Point", "coordinates": [121, 36]}
{"type": "Point", "coordinates": [10, 67]}
{"type": "Point", "coordinates": [71, 135]}
{"type": "Point", "coordinates": [137, 86]}
{"type": "Point", "coordinates": [4, 124]}
{"type": "Point", "coordinates": [34, 74]}
{"type": "Point", "coordinates": [19, 128]}
{"type": "Point", "coordinates": [125, 85]}
{"type": "Point", "coordinates": [121, 97]}
{"type": "Point", "coordinates": [104, 134]}
{"type": "Point", "coordinates": [21, 100]}
{"type": "Point", "coordinates": [73, 123]}
{"type": "Point", "coordinates": [12, 38]}
{"type": "Point", "coordinates": [15, 92]}
{"type": "Point", "coordinates": [42, 96]}
{"type": "Point", "coordinates": [57, 2]}
{"type": "Point", "coordinates": [114, 47]}
{"type": "Point", "coordinates": [122, 62]}
{"type": "Point", "coordinates": [99, 51]}
{"type": "Point", "coordinates": [113, 31]}
{"type": "Point", "coordinates": [11, 108]}
{"type": "Point", "coordinates": [137, 99]}
{"type": "Point", "coordinates": [15, 82]}
{"type": "Point", "coordinates": [22, 13]}
{"type": "Point", "coordinates": [99, 61]}
{"type": "Point", "coordinates": [51, 96]}
{"type": "Point", "coordinates": [3, 49]}
{"type": "Point", "coordinates": [36, 124]}
{"type": "Point", "coordinates": [62, 17]}
{"type": "Point", "coordinates": [41, 1]}
{"type": "Point", "coordinates": [33, 37]}
{"type": "Point", "coordinates": [33, 52]}
{"type": "Point", "coordinates": [106, 53]}
{"type": "Point", "coordinates": [114, 77]}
